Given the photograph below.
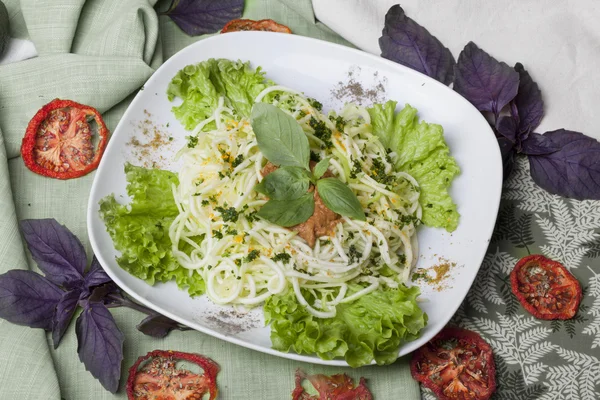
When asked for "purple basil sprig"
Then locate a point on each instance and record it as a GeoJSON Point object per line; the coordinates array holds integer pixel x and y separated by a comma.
{"type": "Point", "coordinates": [51, 301]}
{"type": "Point", "coordinates": [562, 162]}
{"type": "Point", "coordinates": [409, 44]}
{"type": "Point", "coordinates": [197, 17]}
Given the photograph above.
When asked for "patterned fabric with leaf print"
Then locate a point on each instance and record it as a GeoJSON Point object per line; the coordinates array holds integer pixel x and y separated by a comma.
{"type": "Point", "coordinates": [536, 359]}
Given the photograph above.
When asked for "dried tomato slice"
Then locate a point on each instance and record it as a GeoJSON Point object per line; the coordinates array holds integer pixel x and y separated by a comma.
{"type": "Point", "coordinates": [160, 378]}
{"type": "Point", "coordinates": [59, 143]}
{"type": "Point", "coordinates": [545, 288]}
{"type": "Point", "coordinates": [457, 364]}
{"type": "Point", "coordinates": [269, 25]}
{"type": "Point", "coordinates": [338, 387]}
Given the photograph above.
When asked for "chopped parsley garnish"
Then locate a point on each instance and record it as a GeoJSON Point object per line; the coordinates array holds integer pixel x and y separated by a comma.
{"type": "Point", "coordinates": [302, 114]}
{"type": "Point", "coordinates": [251, 217]}
{"type": "Point", "coordinates": [224, 154]}
{"type": "Point", "coordinates": [228, 214]}
{"type": "Point", "coordinates": [225, 174]}
{"type": "Point", "coordinates": [321, 131]}
{"type": "Point", "coordinates": [231, 231]}
{"type": "Point", "coordinates": [407, 219]}
{"type": "Point", "coordinates": [204, 203]}
{"type": "Point", "coordinates": [314, 156]}
{"type": "Point", "coordinates": [388, 158]}
{"type": "Point", "coordinates": [192, 141]}
{"type": "Point", "coordinates": [283, 257]}
{"type": "Point", "coordinates": [340, 123]}
{"type": "Point", "coordinates": [402, 259]}
{"type": "Point", "coordinates": [378, 173]}
{"type": "Point", "coordinates": [353, 254]}
{"type": "Point", "coordinates": [356, 169]}
{"type": "Point", "coordinates": [253, 255]}
{"type": "Point", "coordinates": [315, 104]}
{"type": "Point", "coordinates": [217, 234]}
{"type": "Point", "coordinates": [238, 160]}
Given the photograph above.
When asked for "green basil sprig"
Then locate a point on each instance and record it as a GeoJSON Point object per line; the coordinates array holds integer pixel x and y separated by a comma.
{"type": "Point", "coordinates": [339, 198]}
{"type": "Point", "coordinates": [288, 212]}
{"type": "Point", "coordinates": [280, 137]}
{"type": "Point", "coordinates": [283, 142]}
{"type": "Point", "coordinates": [321, 168]}
{"type": "Point", "coordinates": [285, 183]}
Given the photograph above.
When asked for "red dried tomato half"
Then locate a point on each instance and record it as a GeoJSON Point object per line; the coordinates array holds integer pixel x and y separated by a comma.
{"type": "Point", "coordinates": [159, 377]}
{"type": "Point", "coordinates": [457, 364]}
{"type": "Point", "coordinates": [338, 387]}
{"type": "Point", "coordinates": [59, 142]}
{"type": "Point", "coordinates": [269, 25]}
{"type": "Point", "coordinates": [545, 288]}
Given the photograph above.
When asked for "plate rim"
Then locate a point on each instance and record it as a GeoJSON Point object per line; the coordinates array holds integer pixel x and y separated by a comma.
{"type": "Point", "coordinates": [93, 208]}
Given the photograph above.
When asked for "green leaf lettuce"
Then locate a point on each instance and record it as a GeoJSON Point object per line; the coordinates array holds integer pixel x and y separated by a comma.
{"type": "Point", "coordinates": [370, 328]}
{"type": "Point", "coordinates": [423, 153]}
{"type": "Point", "coordinates": [140, 230]}
{"type": "Point", "coordinates": [201, 85]}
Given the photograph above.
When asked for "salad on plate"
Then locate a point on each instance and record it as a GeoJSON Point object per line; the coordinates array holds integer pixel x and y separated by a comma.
{"type": "Point", "coordinates": [311, 215]}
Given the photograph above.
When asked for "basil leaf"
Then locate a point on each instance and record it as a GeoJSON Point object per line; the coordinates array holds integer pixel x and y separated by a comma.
{"type": "Point", "coordinates": [285, 183]}
{"type": "Point", "coordinates": [279, 136]}
{"type": "Point", "coordinates": [100, 344]}
{"type": "Point", "coordinates": [338, 197]}
{"type": "Point", "coordinates": [197, 17]}
{"type": "Point", "coordinates": [321, 168]}
{"type": "Point", "coordinates": [27, 298]}
{"type": "Point", "coordinates": [57, 252]}
{"type": "Point", "coordinates": [288, 213]}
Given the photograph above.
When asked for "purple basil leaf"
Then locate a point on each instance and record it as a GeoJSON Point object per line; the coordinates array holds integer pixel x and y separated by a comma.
{"type": "Point", "coordinates": [486, 82]}
{"type": "Point", "coordinates": [538, 145]}
{"type": "Point", "coordinates": [528, 101]}
{"type": "Point", "coordinates": [159, 326]}
{"type": "Point", "coordinates": [408, 43]}
{"type": "Point", "coordinates": [507, 151]}
{"type": "Point", "coordinates": [100, 344]}
{"type": "Point", "coordinates": [507, 127]}
{"type": "Point", "coordinates": [57, 252]}
{"type": "Point", "coordinates": [64, 314]}
{"type": "Point", "coordinates": [96, 275]}
{"type": "Point", "coordinates": [27, 298]}
{"type": "Point", "coordinates": [197, 17]}
{"type": "Point", "coordinates": [573, 170]}
{"type": "Point", "coordinates": [103, 294]}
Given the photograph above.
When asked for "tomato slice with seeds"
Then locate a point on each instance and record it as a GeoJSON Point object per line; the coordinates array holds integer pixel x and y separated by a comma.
{"type": "Point", "coordinates": [160, 379]}
{"type": "Point", "coordinates": [59, 142]}
{"type": "Point", "coordinates": [268, 25]}
{"type": "Point", "coordinates": [457, 364]}
{"type": "Point", "coordinates": [338, 387]}
{"type": "Point", "coordinates": [545, 288]}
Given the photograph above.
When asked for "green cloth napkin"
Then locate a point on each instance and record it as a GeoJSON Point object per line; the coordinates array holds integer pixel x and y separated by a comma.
{"type": "Point", "coordinates": [99, 52]}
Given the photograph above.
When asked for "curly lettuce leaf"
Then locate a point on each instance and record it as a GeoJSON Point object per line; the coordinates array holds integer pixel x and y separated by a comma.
{"type": "Point", "coordinates": [140, 230]}
{"type": "Point", "coordinates": [370, 328]}
{"type": "Point", "coordinates": [423, 153]}
{"type": "Point", "coordinates": [201, 85]}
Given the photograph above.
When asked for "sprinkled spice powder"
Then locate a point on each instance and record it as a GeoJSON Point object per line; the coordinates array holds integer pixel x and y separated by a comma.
{"type": "Point", "coordinates": [231, 322]}
{"type": "Point", "coordinates": [146, 144]}
{"type": "Point", "coordinates": [436, 276]}
{"type": "Point", "coordinates": [356, 92]}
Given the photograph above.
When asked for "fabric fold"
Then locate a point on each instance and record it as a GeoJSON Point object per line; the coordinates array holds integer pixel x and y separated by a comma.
{"type": "Point", "coordinates": [26, 370]}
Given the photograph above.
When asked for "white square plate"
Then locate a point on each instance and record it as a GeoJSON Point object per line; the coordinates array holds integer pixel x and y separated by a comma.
{"type": "Point", "coordinates": [317, 68]}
